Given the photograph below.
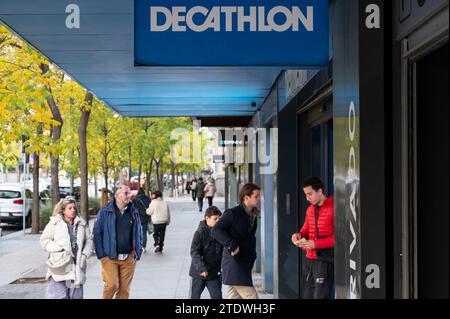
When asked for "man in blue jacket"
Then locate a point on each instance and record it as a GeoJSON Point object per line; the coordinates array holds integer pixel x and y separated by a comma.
{"type": "Point", "coordinates": [118, 243]}
{"type": "Point", "coordinates": [236, 232]}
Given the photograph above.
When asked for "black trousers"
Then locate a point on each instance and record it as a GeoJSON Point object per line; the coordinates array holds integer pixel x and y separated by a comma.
{"type": "Point", "coordinates": [200, 203]}
{"type": "Point", "coordinates": [194, 195]}
{"type": "Point", "coordinates": [214, 288]}
{"type": "Point", "coordinates": [159, 234]}
{"type": "Point", "coordinates": [319, 279]}
{"type": "Point", "coordinates": [210, 201]}
{"type": "Point", "coordinates": [144, 234]}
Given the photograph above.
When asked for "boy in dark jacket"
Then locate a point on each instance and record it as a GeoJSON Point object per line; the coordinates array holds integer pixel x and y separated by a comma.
{"type": "Point", "coordinates": [206, 255]}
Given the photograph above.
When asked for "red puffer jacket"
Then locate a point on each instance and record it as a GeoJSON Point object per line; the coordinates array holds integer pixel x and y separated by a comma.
{"type": "Point", "coordinates": [325, 224]}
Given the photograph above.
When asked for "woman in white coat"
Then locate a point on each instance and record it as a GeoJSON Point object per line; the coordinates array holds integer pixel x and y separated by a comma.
{"type": "Point", "coordinates": [210, 191]}
{"type": "Point", "coordinates": [68, 240]}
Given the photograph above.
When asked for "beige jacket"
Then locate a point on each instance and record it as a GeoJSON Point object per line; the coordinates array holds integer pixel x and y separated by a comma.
{"type": "Point", "coordinates": [56, 238]}
{"type": "Point", "coordinates": [159, 211]}
{"type": "Point", "coordinates": [210, 189]}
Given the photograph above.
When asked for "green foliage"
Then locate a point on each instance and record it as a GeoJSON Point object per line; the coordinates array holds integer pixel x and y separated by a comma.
{"type": "Point", "coordinates": [28, 82]}
{"type": "Point", "coordinates": [45, 212]}
{"type": "Point", "coordinates": [94, 203]}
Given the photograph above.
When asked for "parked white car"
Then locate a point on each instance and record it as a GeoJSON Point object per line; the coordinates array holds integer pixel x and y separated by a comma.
{"type": "Point", "coordinates": [12, 204]}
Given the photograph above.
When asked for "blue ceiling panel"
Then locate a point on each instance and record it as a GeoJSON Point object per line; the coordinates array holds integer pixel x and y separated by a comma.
{"type": "Point", "coordinates": [100, 56]}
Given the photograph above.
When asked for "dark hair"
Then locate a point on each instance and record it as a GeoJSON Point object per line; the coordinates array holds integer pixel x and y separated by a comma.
{"type": "Point", "coordinates": [157, 194]}
{"type": "Point", "coordinates": [247, 190]}
{"type": "Point", "coordinates": [212, 211]}
{"type": "Point", "coordinates": [315, 182]}
{"type": "Point", "coordinates": [141, 190]}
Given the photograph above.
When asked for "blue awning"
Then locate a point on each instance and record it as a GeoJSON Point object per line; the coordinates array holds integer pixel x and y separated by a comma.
{"type": "Point", "coordinates": [99, 55]}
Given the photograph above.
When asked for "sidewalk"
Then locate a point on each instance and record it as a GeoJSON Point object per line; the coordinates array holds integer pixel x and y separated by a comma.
{"type": "Point", "coordinates": [157, 276]}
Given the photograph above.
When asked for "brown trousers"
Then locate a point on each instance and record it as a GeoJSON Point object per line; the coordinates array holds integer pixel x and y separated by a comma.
{"type": "Point", "coordinates": [241, 292]}
{"type": "Point", "coordinates": [117, 276]}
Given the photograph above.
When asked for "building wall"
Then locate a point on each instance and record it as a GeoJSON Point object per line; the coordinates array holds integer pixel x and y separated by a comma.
{"type": "Point", "coordinates": [267, 118]}
{"type": "Point", "coordinates": [420, 32]}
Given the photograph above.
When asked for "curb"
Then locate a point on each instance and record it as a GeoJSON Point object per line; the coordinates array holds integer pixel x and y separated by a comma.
{"type": "Point", "coordinates": [15, 234]}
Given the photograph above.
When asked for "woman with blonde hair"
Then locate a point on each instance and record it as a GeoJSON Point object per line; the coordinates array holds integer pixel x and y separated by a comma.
{"type": "Point", "coordinates": [68, 240]}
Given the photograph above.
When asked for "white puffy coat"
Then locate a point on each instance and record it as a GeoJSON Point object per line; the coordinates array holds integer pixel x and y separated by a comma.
{"type": "Point", "coordinates": [159, 211]}
{"type": "Point", "coordinates": [56, 238]}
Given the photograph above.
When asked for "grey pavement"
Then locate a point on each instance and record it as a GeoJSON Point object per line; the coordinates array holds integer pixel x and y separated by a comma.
{"type": "Point", "coordinates": [157, 276]}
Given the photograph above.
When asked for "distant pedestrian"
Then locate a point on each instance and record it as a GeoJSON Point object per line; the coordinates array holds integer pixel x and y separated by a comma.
{"type": "Point", "coordinates": [188, 187]}
{"type": "Point", "coordinates": [210, 191]}
{"type": "Point", "coordinates": [236, 232]}
{"type": "Point", "coordinates": [160, 214]}
{"type": "Point", "coordinates": [200, 193]}
{"type": "Point", "coordinates": [118, 243]}
{"type": "Point", "coordinates": [194, 188]}
{"type": "Point", "coordinates": [206, 254]}
{"type": "Point", "coordinates": [68, 241]}
{"type": "Point", "coordinates": [142, 202]}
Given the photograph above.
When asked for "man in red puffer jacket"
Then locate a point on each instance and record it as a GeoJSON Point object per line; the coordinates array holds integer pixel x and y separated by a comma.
{"type": "Point", "coordinates": [317, 238]}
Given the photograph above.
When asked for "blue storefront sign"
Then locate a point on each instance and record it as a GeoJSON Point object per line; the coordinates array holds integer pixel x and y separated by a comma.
{"type": "Point", "coordinates": [231, 33]}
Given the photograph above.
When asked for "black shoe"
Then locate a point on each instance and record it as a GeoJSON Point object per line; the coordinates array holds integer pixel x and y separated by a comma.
{"type": "Point", "coordinates": [157, 249]}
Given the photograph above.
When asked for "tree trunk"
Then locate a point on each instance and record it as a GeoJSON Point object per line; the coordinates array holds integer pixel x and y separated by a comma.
{"type": "Point", "coordinates": [105, 155]}
{"type": "Point", "coordinates": [149, 177]}
{"type": "Point", "coordinates": [54, 180]}
{"type": "Point", "coordinates": [158, 177]}
{"type": "Point", "coordinates": [36, 199]}
{"type": "Point", "coordinates": [177, 181]}
{"type": "Point", "coordinates": [71, 184]}
{"type": "Point", "coordinates": [82, 127]}
{"type": "Point", "coordinates": [147, 180]}
{"type": "Point", "coordinates": [182, 183]}
{"type": "Point", "coordinates": [95, 186]}
{"type": "Point", "coordinates": [139, 173]}
{"type": "Point", "coordinates": [56, 135]}
{"type": "Point", "coordinates": [105, 176]}
{"type": "Point", "coordinates": [172, 183]}
{"type": "Point", "coordinates": [36, 195]}
{"type": "Point", "coordinates": [129, 165]}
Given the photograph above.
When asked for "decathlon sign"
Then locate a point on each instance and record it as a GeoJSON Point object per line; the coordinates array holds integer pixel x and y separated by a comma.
{"type": "Point", "coordinates": [231, 32]}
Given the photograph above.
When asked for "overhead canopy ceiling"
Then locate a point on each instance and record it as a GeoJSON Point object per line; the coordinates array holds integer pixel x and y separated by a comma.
{"type": "Point", "coordinates": [99, 55]}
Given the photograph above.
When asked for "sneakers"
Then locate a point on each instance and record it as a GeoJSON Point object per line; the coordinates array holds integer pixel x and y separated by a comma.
{"type": "Point", "coordinates": [158, 249]}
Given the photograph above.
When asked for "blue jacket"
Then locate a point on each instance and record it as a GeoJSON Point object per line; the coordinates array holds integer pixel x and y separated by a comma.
{"type": "Point", "coordinates": [105, 239]}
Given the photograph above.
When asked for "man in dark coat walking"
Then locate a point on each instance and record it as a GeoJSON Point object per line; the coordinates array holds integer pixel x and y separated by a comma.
{"type": "Point", "coordinates": [142, 202]}
{"type": "Point", "coordinates": [236, 232]}
{"type": "Point", "coordinates": [200, 191]}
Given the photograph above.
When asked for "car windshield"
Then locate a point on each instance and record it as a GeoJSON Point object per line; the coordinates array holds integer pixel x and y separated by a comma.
{"type": "Point", "coordinates": [9, 194]}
